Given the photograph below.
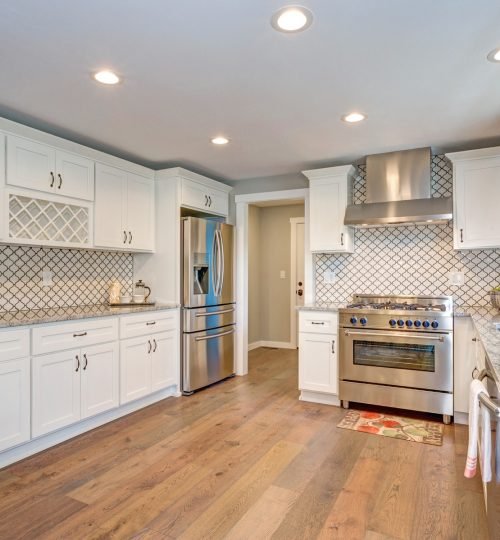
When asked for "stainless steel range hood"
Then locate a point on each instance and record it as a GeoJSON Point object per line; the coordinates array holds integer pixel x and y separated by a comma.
{"type": "Point", "coordinates": [398, 192]}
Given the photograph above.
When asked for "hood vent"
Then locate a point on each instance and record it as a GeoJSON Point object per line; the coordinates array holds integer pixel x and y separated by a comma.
{"type": "Point", "coordinates": [398, 192]}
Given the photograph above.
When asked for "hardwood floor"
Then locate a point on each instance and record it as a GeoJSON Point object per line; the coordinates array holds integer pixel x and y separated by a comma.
{"type": "Point", "coordinates": [243, 460]}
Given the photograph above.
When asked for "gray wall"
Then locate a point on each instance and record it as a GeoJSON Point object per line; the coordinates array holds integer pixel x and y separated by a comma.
{"type": "Point", "coordinates": [272, 183]}
{"type": "Point", "coordinates": [269, 253]}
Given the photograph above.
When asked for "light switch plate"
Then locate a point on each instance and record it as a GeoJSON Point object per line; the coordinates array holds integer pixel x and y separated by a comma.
{"type": "Point", "coordinates": [282, 274]}
{"type": "Point", "coordinates": [47, 276]}
{"type": "Point", "coordinates": [456, 279]}
{"type": "Point", "coordinates": [329, 277]}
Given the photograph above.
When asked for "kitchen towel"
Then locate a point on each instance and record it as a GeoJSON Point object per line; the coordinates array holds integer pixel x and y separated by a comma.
{"type": "Point", "coordinates": [475, 411]}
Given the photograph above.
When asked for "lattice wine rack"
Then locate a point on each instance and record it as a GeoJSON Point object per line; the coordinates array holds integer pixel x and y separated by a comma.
{"type": "Point", "coordinates": [47, 221]}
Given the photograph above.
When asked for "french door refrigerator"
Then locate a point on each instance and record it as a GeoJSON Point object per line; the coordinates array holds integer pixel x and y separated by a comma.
{"type": "Point", "coordinates": [208, 303]}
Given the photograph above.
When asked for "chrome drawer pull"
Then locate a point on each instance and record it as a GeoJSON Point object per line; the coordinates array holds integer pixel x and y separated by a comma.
{"type": "Point", "coordinates": [215, 313]}
{"type": "Point", "coordinates": [80, 335]}
{"type": "Point", "coordinates": [204, 338]}
{"type": "Point", "coordinates": [150, 323]}
{"type": "Point", "coordinates": [313, 322]}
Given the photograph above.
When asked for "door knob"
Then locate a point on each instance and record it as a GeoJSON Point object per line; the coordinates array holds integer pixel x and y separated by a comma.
{"type": "Point", "coordinates": [300, 292]}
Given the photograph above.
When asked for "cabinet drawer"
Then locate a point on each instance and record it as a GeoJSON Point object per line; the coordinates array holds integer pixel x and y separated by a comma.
{"type": "Point", "coordinates": [147, 323]}
{"type": "Point", "coordinates": [62, 336]}
{"type": "Point", "coordinates": [14, 344]}
{"type": "Point", "coordinates": [318, 322]}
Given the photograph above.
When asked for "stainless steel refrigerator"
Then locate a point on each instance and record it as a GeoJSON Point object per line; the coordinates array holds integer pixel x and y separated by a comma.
{"type": "Point", "coordinates": [208, 303]}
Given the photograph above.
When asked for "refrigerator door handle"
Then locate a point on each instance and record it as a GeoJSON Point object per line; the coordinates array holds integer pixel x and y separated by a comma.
{"type": "Point", "coordinates": [213, 270]}
{"type": "Point", "coordinates": [204, 338]}
{"type": "Point", "coordinates": [222, 269]}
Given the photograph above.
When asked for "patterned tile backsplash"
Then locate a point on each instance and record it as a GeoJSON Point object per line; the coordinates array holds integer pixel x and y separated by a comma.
{"type": "Point", "coordinates": [80, 277]}
{"type": "Point", "coordinates": [410, 259]}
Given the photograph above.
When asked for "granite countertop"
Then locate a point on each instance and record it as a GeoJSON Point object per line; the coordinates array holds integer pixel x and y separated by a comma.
{"type": "Point", "coordinates": [484, 319]}
{"type": "Point", "coordinates": [41, 316]}
{"type": "Point", "coordinates": [321, 306]}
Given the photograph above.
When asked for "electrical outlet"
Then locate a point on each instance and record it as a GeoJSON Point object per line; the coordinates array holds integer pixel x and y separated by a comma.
{"type": "Point", "coordinates": [329, 277]}
{"type": "Point", "coordinates": [47, 276]}
{"type": "Point", "coordinates": [282, 274]}
{"type": "Point", "coordinates": [456, 279]}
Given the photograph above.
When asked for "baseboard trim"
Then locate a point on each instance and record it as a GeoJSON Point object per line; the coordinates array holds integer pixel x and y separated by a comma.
{"type": "Point", "coordinates": [7, 457]}
{"type": "Point", "coordinates": [271, 344]}
{"type": "Point", "coordinates": [319, 397]}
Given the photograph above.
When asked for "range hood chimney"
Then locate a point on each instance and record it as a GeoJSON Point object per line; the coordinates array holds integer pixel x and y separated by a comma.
{"type": "Point", "coordinates": [398, 192]}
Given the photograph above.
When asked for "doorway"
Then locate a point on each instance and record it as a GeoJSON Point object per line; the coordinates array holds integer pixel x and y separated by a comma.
{"type": "Point", "coordinates": [297, 275]}
{"type": "Point", "coordinates": [243, 202]}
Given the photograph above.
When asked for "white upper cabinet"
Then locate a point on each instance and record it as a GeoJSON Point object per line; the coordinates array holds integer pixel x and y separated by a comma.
{"type": "Point", "coordinates": [329, 196]}
{"type": "Point", "coordinates": [37, 166]}
{"type": "Point", "coordinates": [203, 197]}
{"type": "Point", "coordinates": [476, 193]}
{"type": "Point", "coordinates": [124, 210]}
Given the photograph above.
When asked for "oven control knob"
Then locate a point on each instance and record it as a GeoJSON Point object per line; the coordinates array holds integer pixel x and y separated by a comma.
{"type": "Point", "coordinates": [417, 323]}
{"type": "Point", "coordinates": [392, 322]}
{"type": "Point", "coordinates": [401, 322]}
{"type": "Point", "coordinates": [354, 320]}
{"type": "Point", "coordinates": [363, 320]}
{"type": "Point", "coordinates": [409, 324]}
{"type": "Point", "coordinates": [426, 324]}
{"type": "Point", "coordinates": [434, 324]}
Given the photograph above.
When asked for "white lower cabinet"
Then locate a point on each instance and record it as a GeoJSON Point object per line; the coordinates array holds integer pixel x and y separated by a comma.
{"type": "Point", "coordinates": [100, 379]}
{"type": "Point", "coordinates": [318, 368]}
{"type": "Point", "coordinates": [72, 385]}
{"type": "Point", "coordinates": [147, 364]}
{"type": "Point", "coordinates": [56, 391]}
{"type": "Point", "coordinates": [318, 360]}
{"type": "Point", "coordinates": [15, 402]}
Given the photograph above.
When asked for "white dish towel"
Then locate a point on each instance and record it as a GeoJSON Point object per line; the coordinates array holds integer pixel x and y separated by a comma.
{"type": "Point", "coordinates": [478, 414]}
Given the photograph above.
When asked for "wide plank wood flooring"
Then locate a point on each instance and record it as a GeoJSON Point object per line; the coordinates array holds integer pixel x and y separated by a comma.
{"type": "Point", "coordinates": [244, 459]}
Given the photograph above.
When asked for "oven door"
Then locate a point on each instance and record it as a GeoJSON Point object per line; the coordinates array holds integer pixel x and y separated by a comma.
{"type": "Point", "coordinates": [409, 359]}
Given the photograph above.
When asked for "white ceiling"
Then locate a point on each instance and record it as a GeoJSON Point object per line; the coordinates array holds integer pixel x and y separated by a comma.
{"type": "Point", "coordinates": [196, 68]}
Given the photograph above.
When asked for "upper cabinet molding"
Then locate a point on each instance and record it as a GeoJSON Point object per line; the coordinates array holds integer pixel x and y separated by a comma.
{"type": "Point", "coordinates": [179, 172]}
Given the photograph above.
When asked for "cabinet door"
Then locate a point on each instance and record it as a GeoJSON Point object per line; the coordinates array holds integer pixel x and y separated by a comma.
{"type": "Point", "coordinates": [164, 360]}
{"type": "Point", "coordinates": [56, 391]}
{"type": "Point", "coordinates": [194, 195]}
{"type": "Point", "coordinates": [110, 207]}
{"type": "Point", "coordinates": [135, 368]}
{"type": "Point", "coordinates": [477, 192]}
{"type": "Point", "coordinates": [318, 370]}
{"type": "Point", "coordinates": [74, 176]}
{"type": "Point", "coordinates": [218, 202]}
{"type": "Point", "coordinates": [140, 213]}
{"type": "Point", "coordinates": [100, 378]}
{"type": "Point", "coordinates": [463, 362]}
{"type": "Point", "coordinates": [30, 164]}
{"type": "Point", "coordinates": [14, 402]}
{"type": "Point", "coordinates": [327, 204]}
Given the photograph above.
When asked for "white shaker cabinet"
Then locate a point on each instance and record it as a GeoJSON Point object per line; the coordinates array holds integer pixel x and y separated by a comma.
{"type": "Point", "coordinates": [40, 167]}
{"type": "Point", "coordinates": [56, 391]}
{"type": "Point", "coordinates": [124, 210]}
{"type": "Point", "coordinates": [329, 195]}
{"type": "Point", "coordinates": [200, 196]}
{"type": "Point", "coordinates": [476, 192]}
{"type": "Point", "coordinates": [464, 361]}
{"type": "Point", "coordinates": [318, 360]}
{"type": "Point", "coordinates": [164, 360]}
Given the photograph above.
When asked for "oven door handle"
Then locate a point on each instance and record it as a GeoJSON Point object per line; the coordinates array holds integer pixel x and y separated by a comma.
{"type": "Point", "coordinates": [377, 334]}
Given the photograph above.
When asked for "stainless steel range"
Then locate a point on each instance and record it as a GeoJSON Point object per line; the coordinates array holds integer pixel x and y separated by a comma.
{"type": "Point", "coordinates": [397, 351]}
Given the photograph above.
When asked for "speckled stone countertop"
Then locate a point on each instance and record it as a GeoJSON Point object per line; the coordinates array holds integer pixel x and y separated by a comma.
{"type": "Point", "coordinates": [41, 316]}
{"type": "Point", "coordinates": [484, 319]}
{"type": "Point", "coordinates": [319, 306]}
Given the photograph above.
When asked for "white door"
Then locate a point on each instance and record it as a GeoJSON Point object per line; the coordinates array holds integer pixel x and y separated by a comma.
{"type": "Point", "coordinates": [14, 402]}
{"type": "Point", "coordinates": [297, 275]}
{"type": "Point", "coordinates": [135, 368]}
{"type": "Point", "coordinates": [477, 192]}
{"type": "Point", "coordinates": [318, 363]}
{"type": "Point", "coordinates": [164, 359]}
{"type": "Point", "coordinates": [110, 228]}
{"type": "Point", "coordinates": [30, 164]}
{"type": "Point", "coordinates": [140, 212]}
{"type": "Point", "coordinates": [74, 176]}
{"type": "Point", "coordinates": [56, 391]}
{"type": "Point", "coordinates": [100, 378]}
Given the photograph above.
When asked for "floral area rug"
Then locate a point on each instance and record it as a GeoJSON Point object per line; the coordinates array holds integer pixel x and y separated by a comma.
{"type": "Point", "coordinates": [396, 427]}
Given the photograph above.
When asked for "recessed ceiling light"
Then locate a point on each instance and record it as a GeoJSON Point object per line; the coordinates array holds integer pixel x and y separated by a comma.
{"type": "Point", "coordinates": [292, 19]}
{"type": "Point", "coordinates": [220, 140]}
{"type": "Point", "coordinates": [494, 55]}
{"type": "Point", "coordinates": [353, 117]}
{"type": "Point", "coordinates": [106, 77]}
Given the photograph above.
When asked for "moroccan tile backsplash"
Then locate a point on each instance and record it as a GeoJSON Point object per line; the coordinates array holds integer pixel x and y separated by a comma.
{"type": "Point", "coordinates": [80, 277]}
{"type": "Point", "coordinates": [409, 259]}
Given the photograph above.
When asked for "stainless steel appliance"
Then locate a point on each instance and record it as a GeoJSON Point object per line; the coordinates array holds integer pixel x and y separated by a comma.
{"type": "Point", "coordinates": [397, 351]}
{"type": "Point", "coordinates": [208, 303]}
